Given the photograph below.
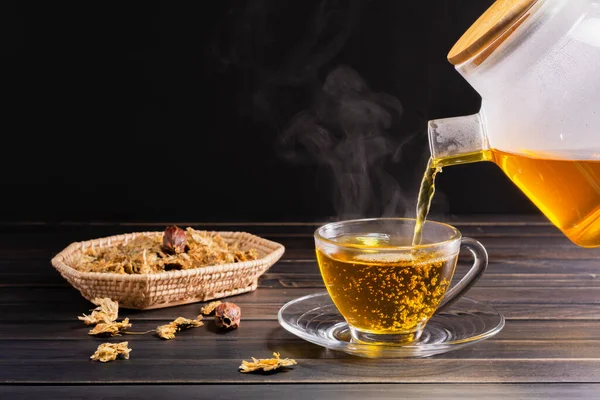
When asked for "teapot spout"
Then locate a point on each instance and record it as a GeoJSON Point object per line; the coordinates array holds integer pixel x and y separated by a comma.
{"type": "Point", "coordinates": [458, 140]}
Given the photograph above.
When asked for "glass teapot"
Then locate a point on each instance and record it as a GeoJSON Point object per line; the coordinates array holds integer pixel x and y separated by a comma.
{"type": "Point", "coordinates": [536, 65]}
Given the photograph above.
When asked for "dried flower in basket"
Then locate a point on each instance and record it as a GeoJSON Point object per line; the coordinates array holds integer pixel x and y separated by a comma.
{"type": "Point", "coordinates": [110, 328]}
{"type": "Point", "coordinates": [209, 308]}
{"type": "Point", "coordinates": [270, 364]}
{"type": "Point", "coordinates": [168, 331]}
{"type": "Point", "coordinates": [107, 311]}
{"type": "Point", "coordinates": [176, 250]}
{"type": "Point", "coordinates": [110, 351]}
{"type": "Point", "coordinates": [228, 315]}
{"type": "Point", "coordinates": [174, 240]}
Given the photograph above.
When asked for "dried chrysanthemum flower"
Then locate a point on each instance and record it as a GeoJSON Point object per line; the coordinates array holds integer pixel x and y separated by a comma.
{"type": "Point", "coordinates": [247, 255]}
{"type": "Point", "coordinates": [174, 249]}
{"type": "Point", "coordinates": [110, 351]}
{"type": "Point", "coordinates": [228, 315]}
{"type": "Point", "coordinates": [210, 307]}
{"type": "Point", "coordinates": [168, 331]}
{"type": "Point", "coordinates": [107, 311]}
{"type": "Point", "coordinates": [174, 240]}
{"type": "Point", "coordinates": [266, 364]}
{"type": "Point", "coordinates": [110, 328]}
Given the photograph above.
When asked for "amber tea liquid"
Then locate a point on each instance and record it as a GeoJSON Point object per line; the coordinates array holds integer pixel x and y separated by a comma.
{"type": "Point", "coordinates": [426, 193]}
{"type": "Point", "coordinates": [385, 293]}
{"type": "Point", "coordinates": [566, 191]}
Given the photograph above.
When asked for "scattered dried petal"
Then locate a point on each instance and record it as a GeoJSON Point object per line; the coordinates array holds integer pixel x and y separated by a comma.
{"type": "Point", "coordinates": [184, 323]}
{"type": "Point", "coordinates": [110, 328]}
{"type": "Point", "coordinates": [110, 351]}
{"type": "Point", "coordinates": [168, 331]}
{"type": "Point", "coordinates": [210, 307]}
{"type": "Point", "coordinates": [266, 364]}
{"type": "Point", "coordinates": [228, 315]}
{"type": "Point", "coordinates": [107, 311]}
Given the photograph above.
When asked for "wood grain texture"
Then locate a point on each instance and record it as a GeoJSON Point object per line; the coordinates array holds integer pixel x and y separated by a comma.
{"type": "Point", "coordinates": [526, 329]}
{"type": "Point", "coordinates": [257, 329]}
{"type": "Point", "coordinates": [206, 346]}
{"type": "Point", "coordinates": [548, 289]}
{"type": "Point", "coordinates": [534, 272]}
{"type": "Point", "coordinates": [302, 392]}
{"type": "Point", "coordinates": [558, 249]}
{"type": "Point", "coordinates": [19, 313]}
{"type": "Point", "coordinates": [313, 370]}
{"type": "Point", "coordinates": [499, 295]}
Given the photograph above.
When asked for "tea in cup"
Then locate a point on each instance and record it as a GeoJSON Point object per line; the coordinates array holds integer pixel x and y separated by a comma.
{"type": "Point", "coordinates": [386, 288]}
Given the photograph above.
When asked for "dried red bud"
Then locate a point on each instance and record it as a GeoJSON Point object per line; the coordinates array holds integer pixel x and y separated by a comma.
{"type": "Point", "coordinates": [228, 315]}
{"type": "Point", "coordinates": [174, 239]}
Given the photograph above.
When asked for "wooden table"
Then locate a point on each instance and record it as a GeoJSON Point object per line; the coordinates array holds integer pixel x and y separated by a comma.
{"type": "Point", "coordinates": [547, 288]}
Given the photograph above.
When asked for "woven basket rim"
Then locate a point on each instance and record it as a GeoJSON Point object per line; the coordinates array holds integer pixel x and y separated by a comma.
{"type": "Point", "coordinates": [274, 251]}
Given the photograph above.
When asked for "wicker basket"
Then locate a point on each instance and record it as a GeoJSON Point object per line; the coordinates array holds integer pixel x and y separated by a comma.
{"type": "Point", "coordinates": [172, 288]}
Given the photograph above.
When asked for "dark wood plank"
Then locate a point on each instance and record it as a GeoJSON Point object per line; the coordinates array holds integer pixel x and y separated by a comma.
{"type": "Point", "coordinates": [540, 267]}
{"type": "Point", "coordinates": [497, 251]}
{"type": "Point", "coordinates": [547, 287]}
{"type": "Point", "coordinates": [539, 271]}
{"type": "Point", "coordinates": [499, 295]}
{"type": "Point", "coordinates": [39, 245]}
{"type": "Point", "coordinates": [488, 280]}
{"type": "Point", "coordinates": [562, 312]}
{"type": "Point", "coordinates": [54, 239]}
{"type": "Point", "coordinates": [533, 244]}
{"type": "Point", "coordinates": [314, 280]}
{"type": "Point", "coordinates": [271, 330]}
{"type": "Point", "coordinates": [46, 312]}
{"type": "Point", "coordinates": [289, 346]}
{"type": "Point", "coordinates": [351, 370]}
{"type": "Point", "coordinates": [507, 251]}
{"type": "Point", "coordinates": [302, 392]}
{"type": "Point", "coordinates": [481, 223]}
{"type": "Point", "coordinates": [42, 236]}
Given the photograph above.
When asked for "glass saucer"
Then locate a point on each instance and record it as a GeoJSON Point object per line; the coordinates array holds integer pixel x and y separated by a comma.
{"type": "Point", "coordinates": [316, 319]}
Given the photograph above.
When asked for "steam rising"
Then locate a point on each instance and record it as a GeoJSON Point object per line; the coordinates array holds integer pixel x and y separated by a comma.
{"type": "Point", "coordinates": [278, 46]}
{"type": "Point", "coordinates": [348, 129]}
{"type": "Point", "coordinates": [275, 52]}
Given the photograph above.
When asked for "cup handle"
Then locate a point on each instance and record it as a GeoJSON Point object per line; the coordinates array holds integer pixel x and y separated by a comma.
{"type": "Point", "coordinates": [480, 264]}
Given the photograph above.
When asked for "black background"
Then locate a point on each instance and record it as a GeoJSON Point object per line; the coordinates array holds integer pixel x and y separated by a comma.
{"type": "Point", "coordinates": [141, 111]}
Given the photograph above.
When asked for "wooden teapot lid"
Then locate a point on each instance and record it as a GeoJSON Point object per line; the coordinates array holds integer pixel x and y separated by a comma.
{"type": "Point", "coordinates": [491, 25]}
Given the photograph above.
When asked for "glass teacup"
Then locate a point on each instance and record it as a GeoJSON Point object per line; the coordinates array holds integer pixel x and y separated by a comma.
{"type": "Point", "coordinates": [386, 288]}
